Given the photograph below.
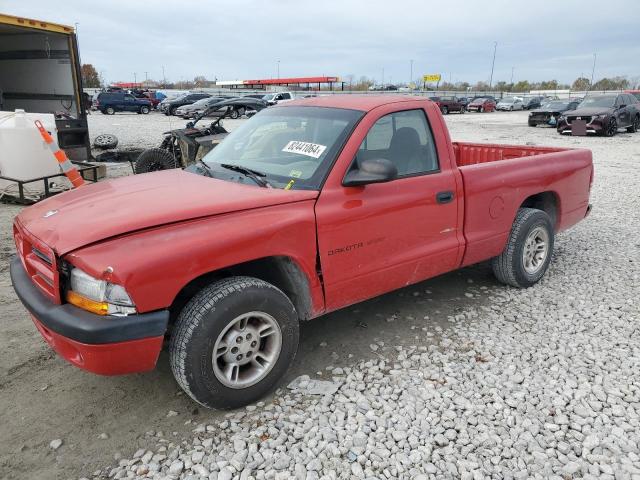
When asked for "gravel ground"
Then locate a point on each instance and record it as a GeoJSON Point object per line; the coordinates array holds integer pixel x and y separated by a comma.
{"type": "Point", "coordinates": [456, 377]}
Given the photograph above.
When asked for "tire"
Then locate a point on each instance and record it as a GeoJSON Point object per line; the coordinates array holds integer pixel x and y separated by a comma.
{"type": "Point", "coordinates": [445, 110]}
{"type": "Point", "coordinates": [234, 114]}
{"type": "Point", "coordinates": [611, 128]}
{"type": "Point", "coordinates": [144, 110]}
{"type": "Point", "coordinates": [207, 322]}
{"type": "Point", "coordinates": [635, 126]}
{"type": "Point", "coordinates": [105, 141]}
{"type": "Point", "coordinates": [462, 110]}
{"type": "Point", "coordinates": [510, 267]}
{"type": "Point", "coordinates": [172, 110]}
{"type": "Point", "coordinates": [481, 110]}
{"type": "Point", "coordinates": [109, 110]}
{"type": "Point", "coordinates": [155, 159]}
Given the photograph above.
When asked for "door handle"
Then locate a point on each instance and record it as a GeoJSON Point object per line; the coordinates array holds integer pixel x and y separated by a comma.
{"type": "Point", "coordinates": [444, 197]}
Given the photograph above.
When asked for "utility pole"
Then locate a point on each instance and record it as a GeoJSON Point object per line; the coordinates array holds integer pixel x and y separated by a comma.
{"type": "Point", "coordinates": [146, 77]}
{"type": "Point", "coordinates": [410, 72]}
{"type": "Point", "coordinates": [382, 77]}
{"type": "Point", "coordinates": [164, 80]}
{"type": "Point", "coordinates": [278, 67]}
{"type": "Point", "coordinates": [593, 70]}
{"type": "Point", "coordinates": [135, 78]}
{"type": "Point", "coordinates": [493, 63]}
{"type": "Point", "coordinates": [511, 82]}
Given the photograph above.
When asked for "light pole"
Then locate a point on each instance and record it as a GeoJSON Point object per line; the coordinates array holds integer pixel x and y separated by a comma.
{"type": "Point", "coordinates": [135, 78]}
{"type": "Point", "coordinates": [278, 67]}
{"type": "Point", "coordinates": [495, 47]}
{"type": "Point", "coordinates": [593, 70]}
{"type": "Point", "coordinates": [511, 82]}
{"type": "Point", "coordinates": [411, 72]}
{"type": "Point", "coordinates": [164, 80]}
{"type": "Point", "coordinates": [382, 77]}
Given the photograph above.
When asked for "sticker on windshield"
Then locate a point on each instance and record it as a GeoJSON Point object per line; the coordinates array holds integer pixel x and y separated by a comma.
{"type": "Point", "coordinates": [295, 173]}
{"type": "Point", "coordinates": [305, 148]}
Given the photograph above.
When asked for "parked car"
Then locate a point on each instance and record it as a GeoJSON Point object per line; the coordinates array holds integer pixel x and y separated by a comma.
{"type": "Point", "coordinates": [194, 109]}
{"type": "Point", "coordinates": [112, 102]}
{"type": "Point", "coordinates": [171, 106]}
{"type": "Point", "coordinates": [635, 93]}
{"type": "Point", "coordinates": [295, 214]}
{"type": "Point", "coordinates": [510, 103]}
{"type": "Point", "coordinates": [549, 113]}
{"type": "Point", "coordinates": [602, 115]}
{"type": "Point", "coordinates": [532, 102]}
{"type": "Point", "coordinates": [277, 97]}
{"type": "Point", "coordinates": [481, 104]}
{"type": "Point", "coordinates": [464, 100]}
{"type": "Point", "coordinates": [155, 101]}
{"type": "Point", "coordinates": [448, 104]}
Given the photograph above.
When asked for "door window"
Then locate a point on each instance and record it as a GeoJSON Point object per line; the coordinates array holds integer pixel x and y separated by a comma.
{"type": "Point", "coordinates": [405, 139]}
{"type": "Point", "coordinates": [129, 98]}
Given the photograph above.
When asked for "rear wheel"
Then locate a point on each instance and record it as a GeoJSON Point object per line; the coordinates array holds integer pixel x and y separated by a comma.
{"type": "Point", "coordinates": [155, 159]}
{"type": "Point", "coordinates": [635, 126]}
{"type": "Point", "coordinates": [109, 110]}
{"type": "Point", "coordinates": [462, 109]}
{"type": "Point", "coordinates": [527, 255]}
{"type": "Point", "coordinates": [144, 109]}
{"type": "Point", "coordinates": [481, 110]}
{"type": "Point", "coordinates": [233, 342]}
{"type": "Point", "coordinates": [172, 110]}
{"type": "Point", "coordinates": [445, 110]}
{"type": "Point", "coordinates": [612, 128]}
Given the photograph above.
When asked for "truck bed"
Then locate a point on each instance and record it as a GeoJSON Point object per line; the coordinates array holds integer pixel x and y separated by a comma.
{"type": "Point", "coordinates": [498, 179]}
{"type": "Point", "coordinates": [474, 153]}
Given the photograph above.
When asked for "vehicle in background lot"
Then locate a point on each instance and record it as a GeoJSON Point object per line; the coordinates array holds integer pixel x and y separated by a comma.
{"type": "Point", "coordinates": [532, 102]}
{"type": "Point", "coordinates": [172, 105]}
{"type": "Point", "coordinates": [184, 146]}
{"type": "Point", "coordinates": [111, 102]}
{"type": "Point", "coordinates": [464, 100]}
{"type": "Point", "coordinates": [40, 73]}
{"type": "Point", "coordinates": [151, 96]}
{"type": "Point", "coordinates": [254, 95]}
{"type": "Point", "coordinates": [510, 103]}
{"type": "Point", "coordinates": [481, 104]}
{"type": "Point", "coordinates": [306, 208]}
{"type": "Point", "coordinates": [277, 97]}
{"type": "Point", "coordinates": [549, 113]}
{"type": "Point", "coordinates": [602, 115]}
{"type": "Point", "coordinates": [194, 109]}
{"type": "Point", "coordinates": [448, 104]}
{"type": "Point", "coordinates": [550, 99]}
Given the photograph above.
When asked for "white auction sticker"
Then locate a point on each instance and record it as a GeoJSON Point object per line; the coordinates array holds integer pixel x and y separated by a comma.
{"type": "Point", "coordinates": [304, 148]}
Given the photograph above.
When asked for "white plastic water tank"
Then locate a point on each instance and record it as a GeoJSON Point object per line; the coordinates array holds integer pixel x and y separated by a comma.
{"type": "Point", "coordinates": [23, 153]}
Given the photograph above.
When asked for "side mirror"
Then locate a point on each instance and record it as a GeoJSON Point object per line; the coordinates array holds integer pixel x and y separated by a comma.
{"type": "Point", "coordinates": [621, 106]}
{"type": "Point", "coordinates": [376, 170]}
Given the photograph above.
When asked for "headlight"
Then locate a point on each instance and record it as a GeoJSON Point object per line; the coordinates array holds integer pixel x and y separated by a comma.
{"type": "Point", "coordinates": [98, 296]}
{"type": "Point", "coordinates": [601, 117]}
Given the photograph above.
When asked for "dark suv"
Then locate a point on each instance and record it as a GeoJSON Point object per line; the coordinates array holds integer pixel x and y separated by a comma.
{"type": "Point", "coordinates": [170, 107]}
{"type": "Point", "coordinates": [112, 102]}
{"type": "Point", "coordinates": [602, 115]}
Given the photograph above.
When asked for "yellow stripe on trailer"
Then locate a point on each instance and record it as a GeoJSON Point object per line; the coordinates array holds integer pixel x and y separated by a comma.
{"type": "Point", "coordinates": [35, 24]}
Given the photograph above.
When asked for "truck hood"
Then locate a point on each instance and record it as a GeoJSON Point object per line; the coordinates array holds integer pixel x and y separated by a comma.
{"type": "Point", "coordinates": [590, 111]}
{"type": "Point", "coordinates": [106, 209]}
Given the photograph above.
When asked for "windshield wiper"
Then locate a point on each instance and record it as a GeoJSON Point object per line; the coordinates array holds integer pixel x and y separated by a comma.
{"type": "Point", "coordinates": [254, 175]}
{"type": "Point", "coordinates": [207, 168]}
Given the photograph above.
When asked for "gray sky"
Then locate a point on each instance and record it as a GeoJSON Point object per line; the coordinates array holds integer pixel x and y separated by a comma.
{"type": "Point", "coordinates": [243, 39]}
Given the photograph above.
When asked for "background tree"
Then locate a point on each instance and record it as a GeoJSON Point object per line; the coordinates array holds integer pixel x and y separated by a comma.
{"type": "Point", "coordinates": [522, 86]}
{"type": "Point", "coordinates": [581, 83]}
{"type": "Point", "coordinates": [201, 81]}
{"type": "Point", "coordinates": [90, 78]}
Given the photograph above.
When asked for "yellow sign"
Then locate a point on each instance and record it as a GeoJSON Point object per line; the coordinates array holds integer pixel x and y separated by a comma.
{"type": "Point", "coordinates": [433, 77]}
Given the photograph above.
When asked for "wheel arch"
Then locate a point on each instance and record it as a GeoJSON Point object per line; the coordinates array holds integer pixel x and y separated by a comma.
{"type": "Point", "coordinates": [281, 271]}
{"type": "Point", "coordinates": [548, 202]}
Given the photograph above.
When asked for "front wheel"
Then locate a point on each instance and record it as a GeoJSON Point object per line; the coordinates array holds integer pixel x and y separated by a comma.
{"type": "Point", "coordinates": [144, 110]}
{"type": "Point", "coordinates": [481, 109]}
{"type": "Point", "coordinates": [635, 126]}
{"type": "Point", "coordinates": [233, 342]}
{"type": "Point", "coordinates": [110, 110]}
{"type": "Point", "coordinates": [445, 110]}
{"type": "Point", "coordinates": [612, 128]}
{"type": "Point", "coordinates": [527, 255]}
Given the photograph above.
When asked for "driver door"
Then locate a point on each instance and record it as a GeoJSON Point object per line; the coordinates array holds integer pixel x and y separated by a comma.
{"type": "Point", "coordinates": [379, 237]}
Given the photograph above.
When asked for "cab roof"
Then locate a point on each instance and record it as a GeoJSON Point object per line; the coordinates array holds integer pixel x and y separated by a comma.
{"type": "Point", "coordinates": [364, 103]}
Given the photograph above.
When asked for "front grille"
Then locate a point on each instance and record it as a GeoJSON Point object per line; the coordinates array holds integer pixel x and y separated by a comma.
{"type": "Point", "coordinates": [39, 261]}
{"type": "Point", "coordinates": [571, 118]}
{"type": "Point", "coordinates": [541, 117]}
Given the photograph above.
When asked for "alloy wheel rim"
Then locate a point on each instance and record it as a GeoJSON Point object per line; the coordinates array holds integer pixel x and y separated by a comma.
{"type": "Point", "coordinates": [536, 250]}
{"type": "Point", "coordinates": [246, 350]}
{"type": "Point", "coordinates": [612, 126]}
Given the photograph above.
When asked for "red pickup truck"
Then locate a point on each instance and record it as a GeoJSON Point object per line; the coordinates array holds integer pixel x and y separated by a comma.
{"type": "Point", "coordinates": [306, 208]}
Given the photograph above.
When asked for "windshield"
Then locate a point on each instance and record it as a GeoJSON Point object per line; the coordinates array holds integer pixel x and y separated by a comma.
{"type": "Point", "coordinates": [293, 146]}
{"type": "Point", "coordinates": [202, 102]}
{"type": "Point", "coordinates": [598, 102]}
{"type": "Point", "coordinates": [269, 96]}
{"type": "Point", "coordinates": [556, 105]}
